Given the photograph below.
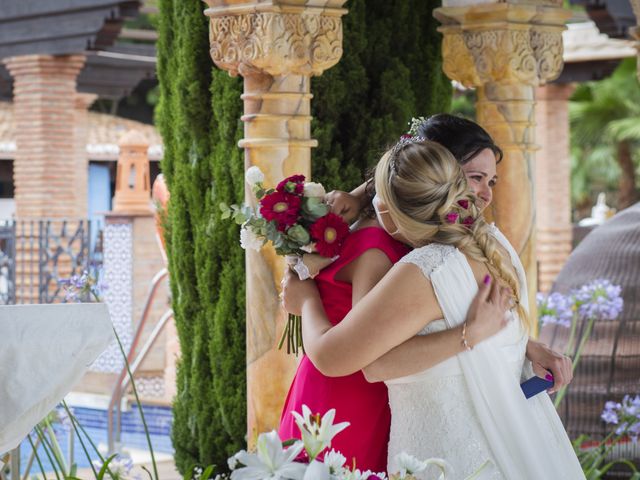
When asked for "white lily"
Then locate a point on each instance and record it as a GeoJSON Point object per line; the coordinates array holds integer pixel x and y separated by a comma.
{"type": "Point", "coordinates": [409, 465]}
{"type": "Point", "coordinates": [271, 461]}
{"type": "Point", "coordinates": [317, 471]}
{"type": "Point", "coordinates": [317, 432]}
{"type": "Point", "coordinates": [254, 175]}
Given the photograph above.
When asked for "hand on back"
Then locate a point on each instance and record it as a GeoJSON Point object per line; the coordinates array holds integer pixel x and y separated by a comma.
{"type": "Point", "coordinates": [488, 311]}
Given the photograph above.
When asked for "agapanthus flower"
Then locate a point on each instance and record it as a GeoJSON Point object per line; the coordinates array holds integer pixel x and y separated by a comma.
{"type": "Point", "coordinates": [281, 207]}
{"type": "Point", "coordinates": [625, 414]}
{"type": "Point", "coordinates": [555, 309]}
{"type": "Point", "coordinates": [329, 233]}
{"type": "Point", "coordinates": [119, 468]}
{"type": "Point", "coordinates": [599, 299]}
{"type": "Point", "coordinates": [292, 184]}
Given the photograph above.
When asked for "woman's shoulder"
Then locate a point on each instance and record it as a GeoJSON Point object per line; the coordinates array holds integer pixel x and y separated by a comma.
{"type": "Point", "coordinates": [429, 257]}
{"type": "Point", "coordinates": [367, 238]}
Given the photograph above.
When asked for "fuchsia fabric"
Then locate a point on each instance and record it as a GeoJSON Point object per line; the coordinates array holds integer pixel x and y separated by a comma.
{"type": "Point", "coordinates": [364, 405]}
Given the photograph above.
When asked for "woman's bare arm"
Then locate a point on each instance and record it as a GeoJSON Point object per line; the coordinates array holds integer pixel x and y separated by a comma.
{"type": "Point", "coordinates": [394, 311]}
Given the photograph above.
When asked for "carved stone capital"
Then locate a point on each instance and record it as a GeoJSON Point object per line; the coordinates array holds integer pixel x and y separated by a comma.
{"type": "Point", "coordinates": [276, 41]}
{"type": "Point", "coordinates": [502, 43]}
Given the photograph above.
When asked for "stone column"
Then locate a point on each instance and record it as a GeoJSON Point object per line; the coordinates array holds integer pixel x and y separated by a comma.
{"type": "Point", "coordinates": [505, 50]}
{"type": "Point", "coordinates": [276, 46]}
{"type": "Point", "coordinates": [44, 96]}
{"type": "Point", "coordinates": [552, 181]}
{"type": "Point", "coordinates": [81, 134]}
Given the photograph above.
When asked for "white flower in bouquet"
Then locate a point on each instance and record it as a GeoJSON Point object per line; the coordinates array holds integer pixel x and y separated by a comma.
{"type": "Point", "coordinates": [317, 471]}
{"type": "Point", "coordinates": [270, 462]}
{"type": "Point", "coordinates": [359, 475]}
{"type": "Point", "coordinates": [254, 175]}
{"type": "Point", "coordinates": [317, 432]}
{"type": "Point", "coordinates": [335, 461]}
{"type": "Point", "coordinates": [313, 189]}
{"type": "Point", "coordinates": [409, 465]}
{"type": "Point", "coordinates": [250, 240]}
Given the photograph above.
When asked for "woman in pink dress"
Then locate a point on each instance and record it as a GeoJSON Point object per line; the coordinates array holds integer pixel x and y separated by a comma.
{"type": "Point", "coordinates": [368, 253]}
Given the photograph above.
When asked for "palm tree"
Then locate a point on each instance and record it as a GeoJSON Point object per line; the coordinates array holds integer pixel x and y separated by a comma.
{"type": "Point", "coordinates": [605, 125]}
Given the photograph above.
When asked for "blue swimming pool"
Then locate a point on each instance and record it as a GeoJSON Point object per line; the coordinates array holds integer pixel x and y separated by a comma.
{"type": "Point", "coordinates": [159, 420]}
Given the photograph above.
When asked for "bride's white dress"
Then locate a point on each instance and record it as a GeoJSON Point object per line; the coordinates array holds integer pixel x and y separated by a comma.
{"type": "Point", "coordinates": [470, 408]}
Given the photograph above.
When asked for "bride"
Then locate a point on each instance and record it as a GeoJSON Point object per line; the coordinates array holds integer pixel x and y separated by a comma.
{"type": "Point", "coordinates": [468, 408]}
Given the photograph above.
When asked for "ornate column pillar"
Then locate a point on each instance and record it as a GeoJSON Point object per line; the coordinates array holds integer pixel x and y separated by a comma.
{"type": "Point", "coordinates": [505, 50]}
{"type": "Point", "coordinates": [276, 45]}
{"type": "Point", "coordinates": [552, 181]}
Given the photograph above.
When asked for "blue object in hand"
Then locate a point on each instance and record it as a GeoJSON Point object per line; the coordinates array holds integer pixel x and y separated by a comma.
{"type": "Point", "coordinates": [535, 385]}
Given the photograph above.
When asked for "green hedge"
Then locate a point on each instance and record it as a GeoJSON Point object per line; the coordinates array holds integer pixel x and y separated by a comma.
{"type": "Point", "coordinates": [390, 72]}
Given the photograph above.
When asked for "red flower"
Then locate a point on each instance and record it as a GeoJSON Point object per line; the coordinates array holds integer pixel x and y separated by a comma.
{"type": "Point", "coordinates": [281, 207]}
{"type": "Point", "coordinates": [405, 136]}
{"type": "Point", "coordinates": [329, 233]}
{"type": "Point", "coordinates": [451, 217]}
{"type": "Point", "coordinates": [464, 204]}
{"type": "Point", "coordinates": [468, 221]}
{"type": "Point", "coordinates": [292, 184]}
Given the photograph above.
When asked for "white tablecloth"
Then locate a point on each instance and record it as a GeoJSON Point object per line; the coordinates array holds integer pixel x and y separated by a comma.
{"type": "Point", "coordinates": [44, 351]}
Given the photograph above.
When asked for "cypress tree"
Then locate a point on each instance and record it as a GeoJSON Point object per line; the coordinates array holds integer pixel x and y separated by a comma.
{"type": "Point", "coordinates": [199, 119]}
{"type": "Point", "coordinates": [390, 71]}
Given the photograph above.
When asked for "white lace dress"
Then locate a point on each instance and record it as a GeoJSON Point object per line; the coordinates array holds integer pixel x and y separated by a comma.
{"type": "Point", "coordinates": [469, 408]}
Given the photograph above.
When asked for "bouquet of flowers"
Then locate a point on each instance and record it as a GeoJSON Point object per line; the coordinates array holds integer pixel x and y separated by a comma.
{"type": "Point", "coordinates": [311, 459]}
{"type": "Point", "coordinates": [295, 219]}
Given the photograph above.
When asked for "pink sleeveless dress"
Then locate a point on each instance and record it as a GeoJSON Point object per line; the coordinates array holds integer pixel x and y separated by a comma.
{"type": "Point", "coordinates": [364, 405]}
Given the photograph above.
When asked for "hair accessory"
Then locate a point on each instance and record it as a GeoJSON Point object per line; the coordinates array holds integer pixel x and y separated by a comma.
{"type": "Point", "coordinates": [468, 221]}
{"type": "Point", "coordinates": [415, 124]}
{"type": "Point", "coordinates": [403, 142]}
{"type": "Point", "coordinates": [451, 217]}
{"type": "Point", "coordinates": [464, 204]}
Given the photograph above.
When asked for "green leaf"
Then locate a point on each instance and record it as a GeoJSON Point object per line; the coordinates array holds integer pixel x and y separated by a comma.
{"type": "Point", "coordinates": [208, 472]}
{"type": "Point", "coordinates": [105, 466]}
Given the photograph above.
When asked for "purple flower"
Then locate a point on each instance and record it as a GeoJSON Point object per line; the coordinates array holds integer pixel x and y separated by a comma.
{"type": "Point", "coordinates": [599, 299]}
{"type": "Point", "coordinates": [625, 414]}
{"type": "Point", "coordinates": [555, 309]}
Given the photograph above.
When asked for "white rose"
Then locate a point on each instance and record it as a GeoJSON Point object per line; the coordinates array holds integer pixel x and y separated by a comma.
{"type": "Point", "coordinates": [254, 175]}
{"type": "Point", "coordinates": [313, 189]}
{"type": "Point", "coordinates": [249, 240]}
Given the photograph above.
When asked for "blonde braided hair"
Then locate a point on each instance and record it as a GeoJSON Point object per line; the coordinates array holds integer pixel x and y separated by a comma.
{"type": "Point", "coordinates": [427, 196]}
